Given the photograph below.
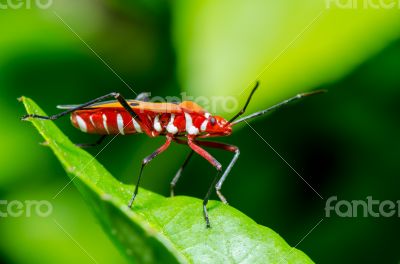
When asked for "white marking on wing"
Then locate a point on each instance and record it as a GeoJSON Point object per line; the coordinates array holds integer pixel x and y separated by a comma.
{"type": "Point", "coordinates": [157, 124]}
{"type": "Point", "coordinates": [81, 123]}
{"type": "Point", "coordinates": [137, 126]}
{"type": "Point", "coordinates": [171, 128]}
{"type": "Point", "coordinates": [190, 128]}
{"type": "Point", "coordinates": [91, 121]}
{"type": "Point", "coordinates": [203, 126]}
{"type": "Point", "coordinates": [105, 123]}
{"type": "Point", "coordinates": [120, 123]}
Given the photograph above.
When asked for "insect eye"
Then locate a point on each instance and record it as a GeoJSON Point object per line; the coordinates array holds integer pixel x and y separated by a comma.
{"type": "Point", "coordinates": [212, 121]}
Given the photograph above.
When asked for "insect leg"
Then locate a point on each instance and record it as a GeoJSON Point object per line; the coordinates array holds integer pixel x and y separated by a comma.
{"type": "Point", "coordinates": [90, 145]}
{"type": "Point", "coordinates": [226, 147]}
{"type": "Point", "coordinates": [179, 173]}
{"type": "Point", "coordinates": [144, 97]}
{"type": "Point", "coordinates": [207, 197]}
{"type": "Point", "coordinates": [57, 116]}
{"type": "Point", "coordinates": [117, 96]}
{"type": "Point", "coordinates": [213, 162]}
{"type": "Point", "coordinates": [145, 161]}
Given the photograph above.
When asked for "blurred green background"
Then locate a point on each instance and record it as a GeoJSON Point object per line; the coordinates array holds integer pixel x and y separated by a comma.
{"type": "Point", "coordinates": [343, 143]}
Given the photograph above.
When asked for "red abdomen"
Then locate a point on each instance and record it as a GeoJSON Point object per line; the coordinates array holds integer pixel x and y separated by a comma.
{"type": "Point", "coordinates": [108, 121]}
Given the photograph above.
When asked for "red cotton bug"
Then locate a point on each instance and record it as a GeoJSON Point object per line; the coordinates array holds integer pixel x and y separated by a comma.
{"type": "Point", "coordinates": [176, 122]}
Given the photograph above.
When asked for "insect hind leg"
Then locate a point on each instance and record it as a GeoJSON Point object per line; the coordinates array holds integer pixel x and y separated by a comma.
{"type": "Point", "coordinates": [79, 107]}
{"type": "Point", "coordinates": [115, 95]}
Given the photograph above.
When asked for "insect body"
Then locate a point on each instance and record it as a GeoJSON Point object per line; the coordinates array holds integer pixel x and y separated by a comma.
{"type": "Point", "coordinates": [183, 123]}
{"type": "Point", "coordinates": [173, 119]}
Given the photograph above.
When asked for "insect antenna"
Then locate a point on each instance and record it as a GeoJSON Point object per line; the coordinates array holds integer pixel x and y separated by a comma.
{"type": "Point", "coordinates": [274, 107]}
{"type": "Point", "coordinates": [241, 112]}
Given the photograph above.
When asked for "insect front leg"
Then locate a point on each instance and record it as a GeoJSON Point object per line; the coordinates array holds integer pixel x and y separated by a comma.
{"type": "Point", "coordinates": [225, 175]}
{"type": "Point", "coordinates": [146, 161]}
{"type": "Point", "coordinates": [225, 147]}
{"type": "Point", "coordinates": [213, 162]}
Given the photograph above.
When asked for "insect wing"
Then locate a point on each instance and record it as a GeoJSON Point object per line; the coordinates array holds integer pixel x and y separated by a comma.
{"type": "Point", "coordinates": [191, 107]}
{"type": "Point", "coordinates": [157, 107]}
{"type": "Point", "coordinates": [105, 104]}
{"type": "Point", "coordinates": [185, 106]}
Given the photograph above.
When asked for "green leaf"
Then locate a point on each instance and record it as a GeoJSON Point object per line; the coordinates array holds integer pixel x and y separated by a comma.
{"type": "Point", "coordinates": [159, 229]}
